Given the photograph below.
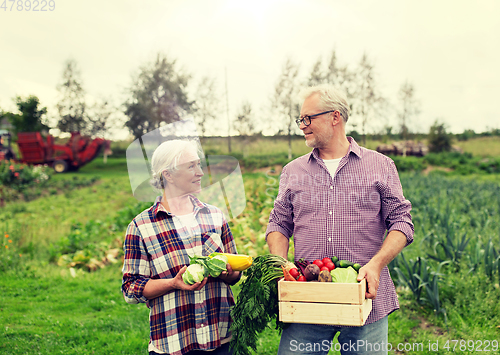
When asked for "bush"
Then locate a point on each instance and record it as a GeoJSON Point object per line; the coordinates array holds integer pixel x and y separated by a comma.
{"type": "Point", "coordinates": [409, 163]}
{"type": "Point", "coordinates": [18, 176]}
{"type": "Point", "coordinates": [439, 139]}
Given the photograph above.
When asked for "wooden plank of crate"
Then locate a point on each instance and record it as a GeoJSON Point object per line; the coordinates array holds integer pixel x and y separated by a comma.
{"type": "Point", "coordinates": [324, 292]}
{"type": "Point", "coordinates": [325, 313]}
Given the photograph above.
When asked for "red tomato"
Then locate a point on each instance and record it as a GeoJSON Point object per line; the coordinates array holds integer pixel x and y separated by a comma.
{"type": "Point", "coordinates": [324, 268]}
{"type": "Point", "coordinates": [318, 262]}
{"type": "Point", "coordinates": [302, 278]}
{"type": "Point", "coordinates": [330, 266]}
{"type": "Point", "coordinates": [326, 260]}
{"type": "Point", "coordinates": [294, 273]}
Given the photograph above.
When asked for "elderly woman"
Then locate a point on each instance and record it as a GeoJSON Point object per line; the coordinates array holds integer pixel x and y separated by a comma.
{"type": "Point", "coordinates": [184, 319]}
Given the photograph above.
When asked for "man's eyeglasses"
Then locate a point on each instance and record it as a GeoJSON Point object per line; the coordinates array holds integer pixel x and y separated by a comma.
{"type": "Point", "coordinates": [307, 119]}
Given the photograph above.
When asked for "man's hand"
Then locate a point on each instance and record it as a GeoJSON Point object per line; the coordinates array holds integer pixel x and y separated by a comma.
{"type": "Point", "coordinates": [179, 283]}
{"type": "Point", "coordinates": [229, 275]}
{"type": "Point", "coordinates": [371, 273]}
{"type": "Point", "coordinates": [392, 246]}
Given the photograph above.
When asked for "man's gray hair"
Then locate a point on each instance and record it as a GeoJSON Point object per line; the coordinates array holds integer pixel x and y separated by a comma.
{"type": "Point", "coordinates": [330, 98]}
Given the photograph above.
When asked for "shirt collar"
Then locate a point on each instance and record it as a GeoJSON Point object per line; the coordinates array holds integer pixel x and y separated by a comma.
{"type": "Point", "coordinates": [158, 207]}
{"type": "Point", "coordinates": [353, 148]}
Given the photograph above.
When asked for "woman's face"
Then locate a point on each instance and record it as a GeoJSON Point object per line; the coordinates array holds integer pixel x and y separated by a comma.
{"type": "Point", "coordinates": [187, 178]}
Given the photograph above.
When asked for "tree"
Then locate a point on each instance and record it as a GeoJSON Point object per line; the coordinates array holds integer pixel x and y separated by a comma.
{"type": "Point", "coordinates": [409, 108]}
{"type": "Point", "coordinates": [245, 125]}
{"type": "Point", "coordinates": [368, 102]}
{"type": "Point", "coordinates": [207, 104]}
{"type": "Point", "coordinates": [284, 104]}
{"type": "Point", "coordinates": [30, 117]}
{"type": "Point", "coordinates": [158, 96]}
{"type": "Point", "coordinates": [317, 75]}
{"type": "Point", "coordinates": [439, 139]}
{"type": "Point", "coordinates": [71, 106]}
{"type": "Point", "coordinates": [334, 74]}
{"type": "Point", "coordinates": [245, 122]}
{"type": "Point", "coordinates": [99, 118]}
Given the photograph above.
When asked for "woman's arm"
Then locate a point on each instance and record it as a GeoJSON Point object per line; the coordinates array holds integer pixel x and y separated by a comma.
{"type": "Point", "coordinates": [158, 287]}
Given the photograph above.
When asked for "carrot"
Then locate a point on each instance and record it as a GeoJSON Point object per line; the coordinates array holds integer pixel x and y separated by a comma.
{"type": "Point", "coordinates": [287, 275]}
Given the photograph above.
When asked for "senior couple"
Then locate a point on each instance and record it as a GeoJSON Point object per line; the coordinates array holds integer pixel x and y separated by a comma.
{"type": "Point", "coordinates": [353, 209]}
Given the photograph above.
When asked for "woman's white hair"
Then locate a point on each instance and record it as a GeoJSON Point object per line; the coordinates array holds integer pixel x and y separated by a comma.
{"type": "Point", "coordinates": [167, 157]}
{"type": "Point", "coordinates": [330, 98]}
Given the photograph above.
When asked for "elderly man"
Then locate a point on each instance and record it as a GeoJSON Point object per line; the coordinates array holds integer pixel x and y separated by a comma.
{"type": "Point", "coordinates": [341, 200]}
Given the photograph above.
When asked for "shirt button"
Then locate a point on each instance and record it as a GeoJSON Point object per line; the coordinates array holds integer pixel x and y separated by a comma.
{"type": "Point", "coordinates": [330, 212]}
{"type": "Point", "coordinates": [331, 187]}
{"type": "Point", "coordinates": [202, 325]}
{"type": "Point", "coordinates": [329, 239]}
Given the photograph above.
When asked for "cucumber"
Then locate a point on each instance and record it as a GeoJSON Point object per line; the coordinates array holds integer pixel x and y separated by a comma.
{"type": "Point", "coordinates": [345, 263]}
{"type": "Point", "coordinates": [356, 267]}
{"type": "Point", "coordinates": [334, 259]}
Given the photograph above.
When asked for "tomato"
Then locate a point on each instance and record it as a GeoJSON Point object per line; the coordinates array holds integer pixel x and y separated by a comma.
{"type": "Point", "coordinates": [326, 260]}
{"type": "Point", "coordinates": [318, 262]}
{"type": "Point", "coordinates": [330, 266]}
{"type": "Point", "coordinates": [294, 273]}
{"type": "Point", "coordinates": [302, 278]}
{"type": "Point", "coordinates": [324, 268]}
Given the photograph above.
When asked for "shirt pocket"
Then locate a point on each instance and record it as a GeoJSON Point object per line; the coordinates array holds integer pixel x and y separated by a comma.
{"type": "Point", "coordinates": [212, 243]}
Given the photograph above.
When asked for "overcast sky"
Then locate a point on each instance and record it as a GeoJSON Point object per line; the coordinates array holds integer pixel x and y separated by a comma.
{"type": "Point", "coordinates": [448, 49]}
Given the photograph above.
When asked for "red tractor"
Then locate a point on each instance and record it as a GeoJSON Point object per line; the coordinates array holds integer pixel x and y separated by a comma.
{"type": "Point", "coordinates": [78, 151]}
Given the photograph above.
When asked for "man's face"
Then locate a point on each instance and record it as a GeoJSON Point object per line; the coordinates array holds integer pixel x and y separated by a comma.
{"type": "Point", "coordinates": [320, 132]}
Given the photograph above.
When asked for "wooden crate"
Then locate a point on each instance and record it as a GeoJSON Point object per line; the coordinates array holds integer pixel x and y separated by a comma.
{"type": "Point", "coordinates": [323, 303]}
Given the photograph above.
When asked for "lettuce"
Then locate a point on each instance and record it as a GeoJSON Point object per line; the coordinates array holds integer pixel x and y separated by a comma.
{"type": "Point", "coordinates": [344, 275]}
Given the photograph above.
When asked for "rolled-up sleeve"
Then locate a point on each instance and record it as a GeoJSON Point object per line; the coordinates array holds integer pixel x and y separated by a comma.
{"type": "Point", "coordinates": [136, 268]}
{"type": "Point", "coordinates": [281, 217]}
{"type": "Point", "coordinates": [395, 207]}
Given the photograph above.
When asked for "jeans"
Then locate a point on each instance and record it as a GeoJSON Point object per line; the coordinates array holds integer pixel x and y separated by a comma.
{"type": "Point", "coordinates": [222, 350]}
{"type": "Point", "coordinates": [308, 339]}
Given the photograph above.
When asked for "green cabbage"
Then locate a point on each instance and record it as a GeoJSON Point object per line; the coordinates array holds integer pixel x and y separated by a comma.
{"type": "Point", "coordinates": [344, 275]}
{"type": "Point", "coordinates": [216, 265]}
{"type": "Point", "coordinates": [194, 273]}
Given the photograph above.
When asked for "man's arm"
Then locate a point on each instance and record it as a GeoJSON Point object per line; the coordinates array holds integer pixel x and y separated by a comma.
{"type": "Point", "coordinates": [278, 244]}
{"type": "Point", "coordinates": [392, 246]}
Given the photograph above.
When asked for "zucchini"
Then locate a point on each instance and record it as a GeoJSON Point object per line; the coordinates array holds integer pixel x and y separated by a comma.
{"type": "Point", "coordinates": [345, 263]}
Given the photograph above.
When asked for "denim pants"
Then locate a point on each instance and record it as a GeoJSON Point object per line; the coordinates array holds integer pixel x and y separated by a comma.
{"type": "Point", "coordinates": [222, 350]}
{"type": "Point", "coordinates": [309, 339]}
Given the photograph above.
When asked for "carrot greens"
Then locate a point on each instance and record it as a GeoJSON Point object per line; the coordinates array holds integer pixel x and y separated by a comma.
{"type": "Point", "coordinates": [257, 303]}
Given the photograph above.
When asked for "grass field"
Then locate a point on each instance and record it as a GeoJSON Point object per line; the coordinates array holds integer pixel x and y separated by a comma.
{"type": "Point", "coordinates": [47, 310]}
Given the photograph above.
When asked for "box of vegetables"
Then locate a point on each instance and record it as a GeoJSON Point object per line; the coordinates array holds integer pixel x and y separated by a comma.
{"type": "Point", "coordinates": [329, 294]}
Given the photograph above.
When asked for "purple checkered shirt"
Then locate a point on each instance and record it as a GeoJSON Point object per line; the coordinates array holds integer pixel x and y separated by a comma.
{"type": "Point", "coordinates": [180, 321]}
{"type": "Point", "coordinates": [346, 216]}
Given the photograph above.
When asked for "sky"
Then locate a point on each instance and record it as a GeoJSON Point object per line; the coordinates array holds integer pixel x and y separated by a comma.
{"type": "Point", "coordinates": [449, 49]}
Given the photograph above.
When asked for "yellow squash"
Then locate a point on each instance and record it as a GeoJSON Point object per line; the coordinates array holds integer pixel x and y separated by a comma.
{"type": "Point", "coordinates": [238, 262]}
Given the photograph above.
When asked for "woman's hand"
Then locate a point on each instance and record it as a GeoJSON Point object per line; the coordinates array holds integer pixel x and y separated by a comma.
{"type": "Point", "coordinates": [230, 276]}
{"type": "Point", "coordinates": [179, 283]}
{"type": "Point", "coordinates": [159, 287]}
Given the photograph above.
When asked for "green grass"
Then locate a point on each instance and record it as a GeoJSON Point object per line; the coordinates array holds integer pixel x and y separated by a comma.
{"type": "Point", "coordinates": [50, 312]}
{"type": "Point", "coordinates": [482, 146]}
{"type": "Point", "coordinates": [44, 310]}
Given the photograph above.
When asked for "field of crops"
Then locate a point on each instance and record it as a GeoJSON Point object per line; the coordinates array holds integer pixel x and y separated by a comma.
{"type": "Point", "coordinates": [448, 279]}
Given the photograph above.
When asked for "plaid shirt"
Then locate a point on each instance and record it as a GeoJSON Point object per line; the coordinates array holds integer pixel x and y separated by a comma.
{"type": "Point", "coordinates": [345, 216]}
{"type": "Point", "coordinates": [180, 321]}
